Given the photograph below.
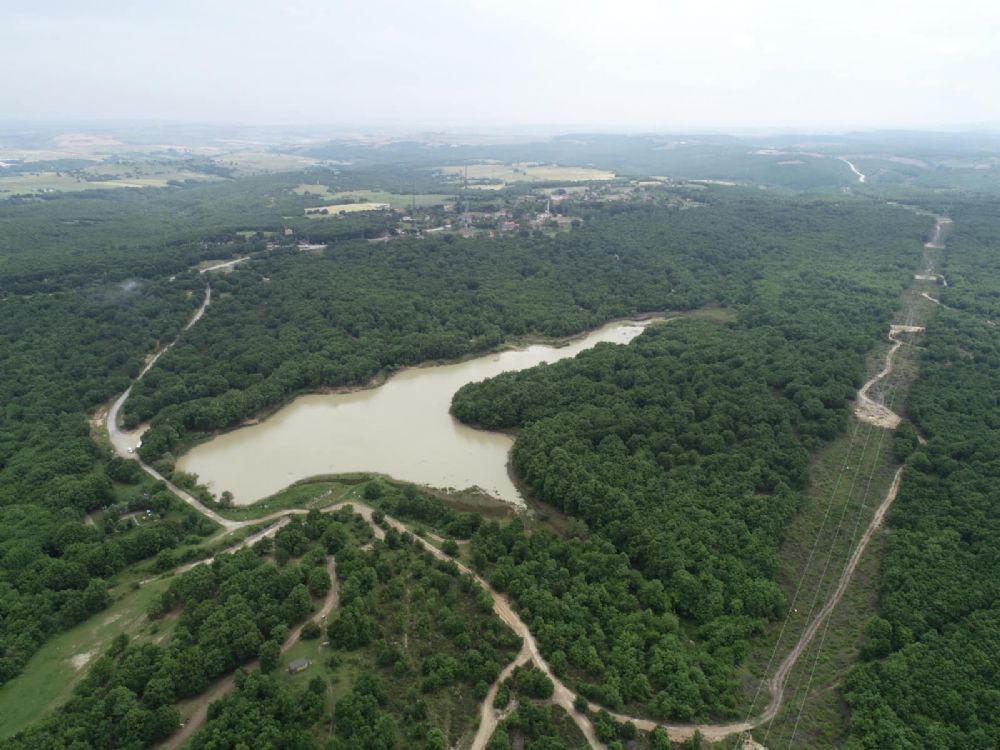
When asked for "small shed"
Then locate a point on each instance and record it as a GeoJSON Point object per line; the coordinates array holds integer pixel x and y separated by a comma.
{"type": "Point", "coordinates": [298, 665]}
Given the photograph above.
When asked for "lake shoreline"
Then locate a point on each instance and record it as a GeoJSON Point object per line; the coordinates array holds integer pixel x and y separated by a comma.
{"type": "Point", "coordinates": [398, 425]}
{"type": "Point", "coordinates": [517, 344]}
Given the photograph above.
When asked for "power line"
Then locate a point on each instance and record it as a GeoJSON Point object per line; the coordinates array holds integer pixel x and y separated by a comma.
{"type": "Point", "coordinates": [833, 547]}
{"type": "Point", "coordinates": [829, 617]}
{"type": "Point", "coordinates": [805, 570]}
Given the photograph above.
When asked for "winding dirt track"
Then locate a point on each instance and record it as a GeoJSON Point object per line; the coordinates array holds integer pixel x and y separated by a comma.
{"type": "Point", "coordinates": [937, 241]}
{"type": "Point", "coordinates": [124, 443]}
{"type": "Point", "coordinates": [489, 717]}
{"type": "Point", "coordinates": [866, 409]}
{"type": "Point", "coordinates": [227, 264]}
{"type": "Point", "coordinates": [857, 172]}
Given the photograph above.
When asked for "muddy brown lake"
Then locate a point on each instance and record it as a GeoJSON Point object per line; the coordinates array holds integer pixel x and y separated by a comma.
{"type": "Point", "coordinates": [402, 428]}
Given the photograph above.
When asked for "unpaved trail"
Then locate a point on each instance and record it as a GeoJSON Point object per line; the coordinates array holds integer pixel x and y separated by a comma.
{"type": "Point", "coordinates": [121, 440]}
{"type": "Point", "coordinates": [227, 264]}
{"type": "Point", "coordinates": [197, 719]}
{"type": "Point", "coordinates": [777, 683]}
{"type": "Point", "coordinates": [935, 300]}
{"type": "Point", "coordinates": [490, 717]}
{"type": "Point", "coordinates": [870, 411]}
{"type": "Point", "coordinates": [562, 695]}
{"type": "Point", "coordinates": [858, 173]}
{"type": "Point", "coordinates": [942, 224]}
{"type": "Point", "coordinates": [125, 443]}
{"type": "Point", "coordinates": [251, 540]}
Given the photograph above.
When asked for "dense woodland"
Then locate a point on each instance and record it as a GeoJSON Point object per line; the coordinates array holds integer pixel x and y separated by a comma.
{"type": "Point", "coordinates": [292, 323]}
{"type": "Point", "coordinates": [682, 454]}
{"type": "Point", "coordinates": [62, 355]}
{"type": "Point", "coordinates": [933, 653]}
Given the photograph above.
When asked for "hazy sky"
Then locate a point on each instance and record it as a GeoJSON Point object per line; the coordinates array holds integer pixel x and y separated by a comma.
{"type": "Point", "coordinates": [623, 64]}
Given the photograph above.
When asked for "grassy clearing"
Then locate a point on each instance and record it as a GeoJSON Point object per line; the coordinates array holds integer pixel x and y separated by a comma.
{"type": "Point", "coordinates": [264, 161]}
{"type": "Point", "coordinates": [317, 494]}
{"type": "Point", "coordinates": [48, 679]}
{"type": "Point", "coordinates": [853, 501]}
{"type": "Point", "coordinates": [398, 201]}
{"type": "Point", "coordinates": [337, 209]}
{"type": "Point", "coordinates": [526, 172]}
{"type": "Point", "coordinates": [47, 182]}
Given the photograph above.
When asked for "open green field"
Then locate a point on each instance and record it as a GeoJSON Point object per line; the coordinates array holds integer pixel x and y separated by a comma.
{"type": "Point", "coordinates": [398, 201]}
{"type": "Point", "coordinates": [46, 182]}
{"type": "Point", "coordinates": [264, 161]}
{"type": "Point", "coordinates": [526, 172]}
{"type": "Point", "coordinates": [336, 209]}
{"type": "Point", "coordinates": [48, 679]}
{"type": "Point", "coordinates": [317, 494]}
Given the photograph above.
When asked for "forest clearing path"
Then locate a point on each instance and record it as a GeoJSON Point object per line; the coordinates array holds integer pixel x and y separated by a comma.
{"type": "Point", "coordinates": [125, 443]}
{"type": "Point", "coordinates": [866, 408]}
{"type": "Point", "coordinates": [227, 264]}
{"type": "Point", "coordinates": [490, 717]}
{"type": "Point", "coordinates": [935, 300]}
{"type": "Point", "coordinates": [860, 175]}
{"type": "Point", "coordinates": [937, 241]}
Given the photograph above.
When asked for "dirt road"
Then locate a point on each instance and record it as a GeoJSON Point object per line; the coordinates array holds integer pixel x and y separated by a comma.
{"type": "Point", "coordinates": [867, 409]}
{"type": "Point", "coordinates": [490, 717]}
{"type": "Point", "coordinates": [227, 264]}
{"type": "Point", "coordinates": [125, 443]}
{"type": "Point", "coordinates": [942, 225]}
{"type": "Point", "coordinates": [858, 173]}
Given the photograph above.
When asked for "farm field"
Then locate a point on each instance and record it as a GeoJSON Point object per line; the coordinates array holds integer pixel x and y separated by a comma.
{"type": "Point", "coordinates": [524, 172]}
{"type": "Point", "coordinates": [398, 201]}
{"type": "Point", "coordinates": [60, 664]}
{"type": "Point", "coordinates": [264, 161]}
{"type": "Point", "coordinates": [318, 212]}
{"type": "Point", "coordinates": [47, 182]}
